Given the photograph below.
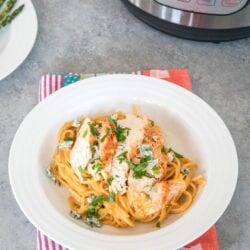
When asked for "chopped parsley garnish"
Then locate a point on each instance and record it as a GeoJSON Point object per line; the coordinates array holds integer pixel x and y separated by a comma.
{"type": "Point", "coordinates": [80, 169]}
{"type": "Point", "coordinates": [98, 124]}
{"type": "Point", "coordinates": [97, 165]}
{"type": "Point", "coordinates": [108, 130]}
{"type": "Point", "coordinates": [152, 123]}
{"type": "Point", "coordinates": [112, 120]}
{"type": "Point", "coordinates": [164, 150]}
{"type": "Point", "coordinates": [66, 144]}
{"type": "Point", "coordinates": [111, 197]}
{"type": "Point", "coordinates": [94, 206]}
{"type": "Point", "coordinates": [139, 170]}
{"type": "Point", "coordinates": [95, 143]}
{"type": "Point", "coordinates": [93, 129]}
{"type": "Point", "coordinates": [155, 169]}
{"type": "Point", "coordinates": [68, 139]}
{"type": "Point", "coordinates": [146, 158]}
{"type": "Point", "coordinates": [109, 180]}
{"type": "Point", "coordinates": [93, 147]}
{"type": "Point", "coordinates": [122, 157]}
{"type": "Point", "coordinates": [85, 133]}
{"type": "Point", "coordinates": [158, 224]}
{"type": "Point", "coordinates": [177, 155]}
{"type": "Point", "coordinates": [121, 133]}
{"type": "Point", "coordinates": [98, 200]}
{"type": "Point", "coordinates": [92, 216]}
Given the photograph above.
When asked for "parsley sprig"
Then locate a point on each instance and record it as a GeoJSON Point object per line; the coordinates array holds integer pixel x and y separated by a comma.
{"type": "Point", "coordinates": [109, 180]}
{"type": "Point", "coordinates": [140, 169]}
{"type": "Point", "coordinates": [93, 126]}
{"type": "Point", "coordinates": [121, 132]}
{"type": "Point", "coordinates": [94, 207]}
{"type": "Point", "coordinates": [158, 224]}
{"type": "Point", "coordinates": [122, 157]}
{"type": "Point", "coordinates": [97, 165]}
{"type": "Point", "coordinates": [164, 150]}
{"type": "Point", "coordinates": [85, 133]}
{"type": "Point", "coordinates": [155, 169]}
{"type": "Point", "coordinates": [108, 130]}
{"type": "Point", "coordinates": [177, 155]}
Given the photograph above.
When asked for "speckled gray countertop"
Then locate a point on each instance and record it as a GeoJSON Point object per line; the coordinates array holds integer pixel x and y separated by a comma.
{"type": "Point", "coordinates": [102, 36]}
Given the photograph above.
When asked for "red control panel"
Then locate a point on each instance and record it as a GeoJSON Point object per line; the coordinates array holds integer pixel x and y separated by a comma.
{"type": "Point", "coordinates": [220, 7]}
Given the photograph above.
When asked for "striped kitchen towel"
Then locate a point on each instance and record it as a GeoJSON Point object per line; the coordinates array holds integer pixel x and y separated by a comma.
{"type": "Point", "coordinates": [49, 83]}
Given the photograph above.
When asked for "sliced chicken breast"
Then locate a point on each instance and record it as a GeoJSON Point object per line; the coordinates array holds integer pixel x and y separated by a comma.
{"type": "Point", "coordinates": [81, 153]}
{"type": "Point", "coordinates": [128, 148]}
{"type": "Point", "coordinates": [154, 198]}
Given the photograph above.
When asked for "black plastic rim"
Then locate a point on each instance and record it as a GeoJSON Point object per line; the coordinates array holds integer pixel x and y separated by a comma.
{"type": "Point", "coordinates": [197, 34]}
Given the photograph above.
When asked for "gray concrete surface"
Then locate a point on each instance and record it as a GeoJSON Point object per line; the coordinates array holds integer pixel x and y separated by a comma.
{"type": "Point", "coordinates": [102, 36]}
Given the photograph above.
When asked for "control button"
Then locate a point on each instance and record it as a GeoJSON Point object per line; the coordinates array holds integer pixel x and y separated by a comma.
{"type": "Point", "coordinates": [207, 2]}
{"type": "Point", "coordinates": [231, 3]}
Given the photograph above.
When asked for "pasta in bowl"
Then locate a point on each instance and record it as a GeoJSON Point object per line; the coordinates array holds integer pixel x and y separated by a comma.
{"type": "Point", "coordinates": [118, 171]}
{"type": "Point", "coordinates": [184, 163]}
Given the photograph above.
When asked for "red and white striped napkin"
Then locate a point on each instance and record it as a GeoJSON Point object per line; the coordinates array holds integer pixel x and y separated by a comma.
{"type": "Point", "coordinates": [49, 83]}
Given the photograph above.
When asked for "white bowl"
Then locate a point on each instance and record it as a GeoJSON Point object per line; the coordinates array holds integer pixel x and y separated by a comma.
{"type": "Point", "coordinates": [191, 126]}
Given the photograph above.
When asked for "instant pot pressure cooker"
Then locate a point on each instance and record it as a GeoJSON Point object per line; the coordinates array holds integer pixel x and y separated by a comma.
{"type": "Point", "coordinates": [203, 20]}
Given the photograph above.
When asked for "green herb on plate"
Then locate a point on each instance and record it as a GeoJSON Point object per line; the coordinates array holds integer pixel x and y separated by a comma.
{"type": "Point", "coordinates": [109, 180]}
{"type": "Point", "coordinates": [7, 8]}
{"type": "Point", "coordinates": [9, 18]}
{"type": "Point", "coordinates": [158, 224]}
{"type": "Point", "coordinates": [155, 169]}
{"type": "Point", "coordinates": [85, 133]}
{"type": "Point", "coordinates": [93, 129]}
{"type": "Point", "coordinates": [108, 130]}
{"type": "Point", "coordinates": [177, 155]}
{"type": "Point", "coordinates": [2, 2]}
{"type": "Point", "coordinates": [164, 149]}
{"type": "Point", "coordinates": [122, 157]}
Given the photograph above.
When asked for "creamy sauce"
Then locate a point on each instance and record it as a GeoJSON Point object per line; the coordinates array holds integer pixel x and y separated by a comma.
{"type": "Point", "coordinates": [140, 185]}
{"type": "Point", "coordinates": [119, 170]}
{"type": "Point", "coordinates": [144, 184]}
{"type": "Point", "coordinates": [156, 194]}
{"type": "Point", "coordinates": [81, 154]}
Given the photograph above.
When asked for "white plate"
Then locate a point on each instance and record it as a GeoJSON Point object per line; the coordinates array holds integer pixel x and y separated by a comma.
{"type": "Point", "coordinates": [17, 39]}
{"type": "Point", "coordinates": [192, 127]}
